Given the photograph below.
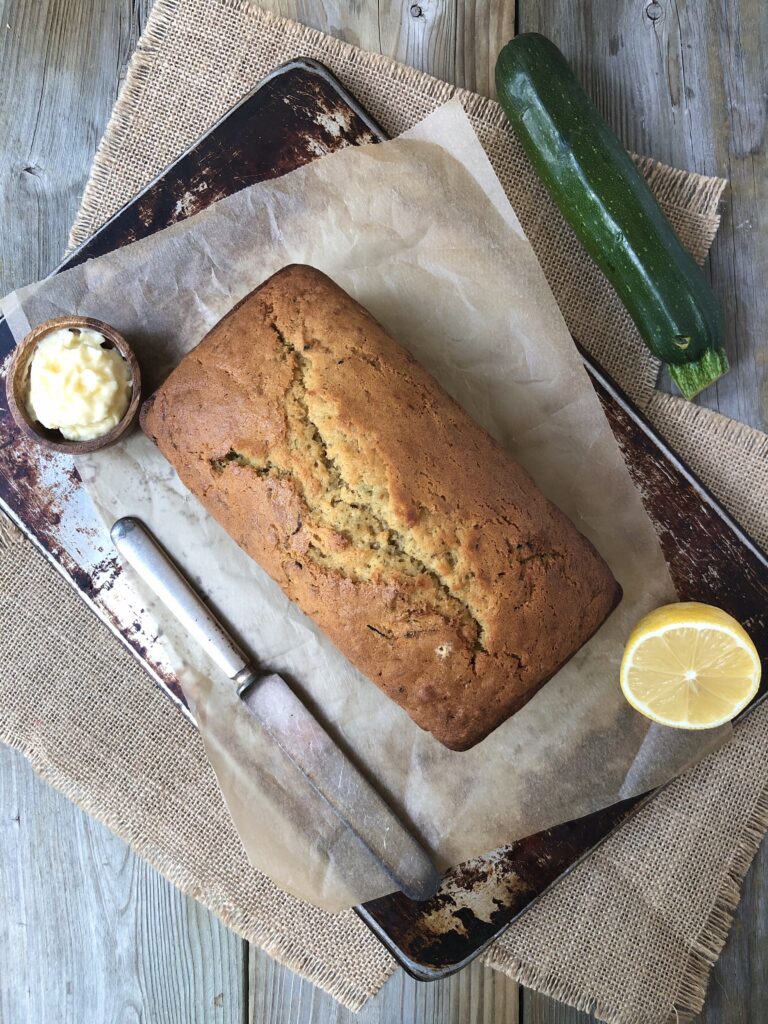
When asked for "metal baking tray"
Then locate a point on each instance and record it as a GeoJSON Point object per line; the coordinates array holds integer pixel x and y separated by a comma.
{"type": "Point", "coordinates": [280, 125]}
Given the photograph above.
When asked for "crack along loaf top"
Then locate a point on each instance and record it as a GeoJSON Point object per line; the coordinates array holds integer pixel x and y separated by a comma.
{"type": "Point", "coordinates": [425, 552]}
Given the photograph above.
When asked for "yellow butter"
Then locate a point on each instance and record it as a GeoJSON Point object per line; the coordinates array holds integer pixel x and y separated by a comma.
{"type": "Point", "coordinates": [76, 385]}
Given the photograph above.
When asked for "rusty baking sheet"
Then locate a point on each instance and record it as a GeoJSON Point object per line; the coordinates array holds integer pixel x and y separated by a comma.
{"type": "Point", "coordinates": [296, 114]}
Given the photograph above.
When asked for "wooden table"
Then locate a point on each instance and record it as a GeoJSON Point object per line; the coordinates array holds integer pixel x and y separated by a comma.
{"type": "Point", "coordinates": [90, 933]}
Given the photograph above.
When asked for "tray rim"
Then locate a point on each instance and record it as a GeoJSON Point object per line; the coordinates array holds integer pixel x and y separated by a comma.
{"type": "Point", "coordinates": [281, 69]}
{"type": "Point", "coordinates": [415, 969]}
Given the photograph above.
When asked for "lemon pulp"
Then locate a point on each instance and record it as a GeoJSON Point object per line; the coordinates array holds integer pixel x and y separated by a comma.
{"type": "Point", "coordinates": [690, 666]}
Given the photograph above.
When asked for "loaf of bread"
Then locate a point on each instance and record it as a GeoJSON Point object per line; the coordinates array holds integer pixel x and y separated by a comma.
{"type": "Point", "coordinates": [422, 549]}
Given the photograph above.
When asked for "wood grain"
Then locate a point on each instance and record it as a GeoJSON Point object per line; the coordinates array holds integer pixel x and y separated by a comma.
{"type": "Point", "coordinates": [61, 63]}
{"type": "Point", "coordinates": [539, 1009]}
{"type": "Point", "coordinates": [685, 82]}
{"type": "Point", "coordinates": [473, 996]}
{"type": "Point", "coordinates": [738, 987]}
{"type": "Point", "coordinates": [87, 931]}
{"type": "Point", "coordinates": [456, 40]}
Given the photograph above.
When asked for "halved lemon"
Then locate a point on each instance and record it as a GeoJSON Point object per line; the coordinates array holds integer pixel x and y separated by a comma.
{"type": "Point", "coordinates": [690, 666]}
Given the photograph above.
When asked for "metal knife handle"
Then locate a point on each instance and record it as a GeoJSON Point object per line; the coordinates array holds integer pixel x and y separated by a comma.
{"type": "Point", "coordinates": [347, 793]}
{"type": "Point", "coordinates": [142, 551]}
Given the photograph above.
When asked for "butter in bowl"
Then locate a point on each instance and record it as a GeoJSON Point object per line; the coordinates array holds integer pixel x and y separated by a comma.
{"type": "Point", "coordinates": [74, 385]}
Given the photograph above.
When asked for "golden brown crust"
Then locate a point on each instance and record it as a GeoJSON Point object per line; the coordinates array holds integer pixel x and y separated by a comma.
{"type": "Point", "coordinates": [423, 550]}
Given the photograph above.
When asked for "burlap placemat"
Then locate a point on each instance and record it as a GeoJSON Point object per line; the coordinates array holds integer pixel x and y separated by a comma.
{"type": "Point", "coordinates": [633, 932]}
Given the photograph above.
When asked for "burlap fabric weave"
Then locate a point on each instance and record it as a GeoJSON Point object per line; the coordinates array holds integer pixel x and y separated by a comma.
{"type": "Point", "coordinates": [633, 932]}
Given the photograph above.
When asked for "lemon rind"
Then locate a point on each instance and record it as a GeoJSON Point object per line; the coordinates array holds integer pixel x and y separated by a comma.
{"type": "Point", "coordinates": [694, 624]}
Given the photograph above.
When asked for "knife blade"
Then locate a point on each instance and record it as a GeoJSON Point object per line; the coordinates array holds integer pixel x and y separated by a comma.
{"type": "Point", "coordinates": [331, 774]}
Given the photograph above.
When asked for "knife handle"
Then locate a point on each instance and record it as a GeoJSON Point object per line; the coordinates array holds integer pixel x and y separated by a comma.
{"type": "Point", "coordinates": [144, 553]}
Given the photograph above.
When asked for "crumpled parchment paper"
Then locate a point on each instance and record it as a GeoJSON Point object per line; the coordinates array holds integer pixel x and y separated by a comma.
{"type": "Point", "coordinates": [419, 230]}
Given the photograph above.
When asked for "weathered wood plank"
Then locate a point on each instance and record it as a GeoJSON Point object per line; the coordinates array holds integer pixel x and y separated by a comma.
{"type": "Point", "coordinates": [456, 40]}
{"type": "Point", "coordinates": [61, 62]}
{"type": "Point", "coordinates": [355, 21]}
{"type": "Point", "coordinates": [477, 995]}
{"type": "Point", "coordinates": [685, 82]}
{"type": "Point", "coordinates": [481, 30]}
{"type": "Point", "coordinates": [738, 987]}
{"type": "Point", "coordinates": [89, 932]}
{"type": "Point", "coordinates": [688, 91]}
{"type": "Point", "coordinates": [538, 1009]}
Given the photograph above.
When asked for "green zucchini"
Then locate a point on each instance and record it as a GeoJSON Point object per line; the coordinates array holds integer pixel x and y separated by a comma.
{"type": "Point", "coordinates": [604, 198]}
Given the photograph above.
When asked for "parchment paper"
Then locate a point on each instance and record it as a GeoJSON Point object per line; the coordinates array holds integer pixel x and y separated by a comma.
{"type": "Point", "coordinates": [420, 231]}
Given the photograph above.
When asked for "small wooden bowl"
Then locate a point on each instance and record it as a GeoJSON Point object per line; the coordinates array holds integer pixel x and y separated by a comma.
{"type": "Point", "coordinates": [18, 377]}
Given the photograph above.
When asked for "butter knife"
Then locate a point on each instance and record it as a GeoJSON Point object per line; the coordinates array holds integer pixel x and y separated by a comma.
{"type": "Point", "coordinates": [288, 722]}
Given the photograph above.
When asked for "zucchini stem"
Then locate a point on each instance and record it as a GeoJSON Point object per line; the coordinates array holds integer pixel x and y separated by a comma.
{"type": "Point", "coordinates": [692, 378]}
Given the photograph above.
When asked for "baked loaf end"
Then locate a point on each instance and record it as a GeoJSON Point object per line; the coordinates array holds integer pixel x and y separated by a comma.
{"type": "Point", "coordinates": [424, 551]}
